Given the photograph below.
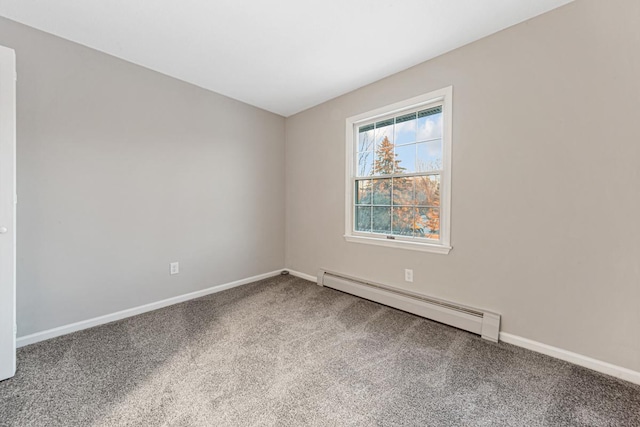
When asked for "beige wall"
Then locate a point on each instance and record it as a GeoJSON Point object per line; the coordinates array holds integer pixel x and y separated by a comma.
{"type": "Point", "coordinates": [546, 181]}
{"type": "Point", "coordinates": [122, 170]}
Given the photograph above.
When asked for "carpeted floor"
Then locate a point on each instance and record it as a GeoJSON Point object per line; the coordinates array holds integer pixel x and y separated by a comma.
{"type": "Point", "coordinates": [286, 352]}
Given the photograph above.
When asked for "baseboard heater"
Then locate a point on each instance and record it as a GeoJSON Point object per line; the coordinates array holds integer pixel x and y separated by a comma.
{"type": "Point", "coordinates": [481, 322]}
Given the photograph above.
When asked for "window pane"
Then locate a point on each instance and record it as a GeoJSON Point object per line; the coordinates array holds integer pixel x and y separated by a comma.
{"type": "Point", "coordinates": [405, 129]}
{"type": "Point", "coordinates": [403, 220]}
{"type": "Point", "coordinates": [363, 192]}
{"type": "Point", "coordinates": [382, 191]}
{"type": "Point", "coordinates": [429, 156]}
{"type": "Point", "coordinates": [384, 130]}
{"type": "Point", "coordinates": [363, 218]}
{"type": "Point", "coordinates": [428, 223]}
{"type": "Point", "coordinates": [405, 159]}
{"type": "Point", "coordinates": [382, 220]}
{"type": "Point", "coordinates": [384, 160]}
{"type": "Point", "coordinates": [365, 164]}
{"type": "Point", "coordinates": [429, 124]}
{"type": "Point", "coordinates": [365, 138]}
{"type": "Point", "coordinates": [428, 190]}
{"type": "Point", "coordinates": [403, 191]}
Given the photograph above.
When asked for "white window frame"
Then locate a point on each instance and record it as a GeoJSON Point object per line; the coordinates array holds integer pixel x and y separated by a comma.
{"type": "Point", "coordinates": [443, 245]}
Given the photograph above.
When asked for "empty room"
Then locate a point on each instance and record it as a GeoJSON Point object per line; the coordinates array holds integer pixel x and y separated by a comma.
{"type": "Point", "coordinates": [322, 213]}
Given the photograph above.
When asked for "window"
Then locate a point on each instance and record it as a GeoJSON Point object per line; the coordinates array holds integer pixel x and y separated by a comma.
{"type": "Point", "coordinates": [398, 188]}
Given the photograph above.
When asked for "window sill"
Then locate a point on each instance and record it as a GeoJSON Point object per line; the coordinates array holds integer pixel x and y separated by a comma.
{"type": "Point", "coordinates": [400, 244]}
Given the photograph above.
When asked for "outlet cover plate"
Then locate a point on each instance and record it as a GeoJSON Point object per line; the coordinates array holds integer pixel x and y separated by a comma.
{"type": "Point", "coordinates": [174, 268]}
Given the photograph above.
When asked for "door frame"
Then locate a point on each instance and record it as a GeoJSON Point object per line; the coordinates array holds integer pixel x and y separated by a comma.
{"type": "Point", "coordinates": [8, 202]}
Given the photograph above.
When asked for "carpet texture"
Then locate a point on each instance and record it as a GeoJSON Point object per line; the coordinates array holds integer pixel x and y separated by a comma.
{"type": "Point", "coordinates": [286, 352]}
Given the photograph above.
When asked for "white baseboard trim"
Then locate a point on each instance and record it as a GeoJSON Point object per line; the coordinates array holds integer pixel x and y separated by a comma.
{"type": "Point", "coordinates": [303, 275]}
{"type": "Point", "coordinates": [575, 358]}
{"type": "Point", "coordinates": [101, 320]}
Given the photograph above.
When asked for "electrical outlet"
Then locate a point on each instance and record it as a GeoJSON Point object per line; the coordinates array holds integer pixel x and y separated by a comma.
{"type": "Point", "coordinates": [174, 268]}
{"type": "Point", "coordinates": [408, 275]}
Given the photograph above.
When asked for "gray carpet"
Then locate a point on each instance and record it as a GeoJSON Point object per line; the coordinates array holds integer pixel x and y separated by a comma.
{"type": "Point", "coordinates": [286, 352]}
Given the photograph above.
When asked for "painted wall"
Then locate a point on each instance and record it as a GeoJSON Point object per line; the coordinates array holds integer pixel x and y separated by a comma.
{"type": "Point", "coordinates": [122, 170]}
{"type": "Point", "coordinates": [546, 181]}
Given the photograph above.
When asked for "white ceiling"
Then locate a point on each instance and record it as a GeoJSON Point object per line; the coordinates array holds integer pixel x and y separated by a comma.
{"type": "Point", "coordinates": [283, 56]}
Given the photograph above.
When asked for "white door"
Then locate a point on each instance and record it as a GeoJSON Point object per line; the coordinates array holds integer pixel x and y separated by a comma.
{"type": "Point", "coordinates": [7, 213]}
